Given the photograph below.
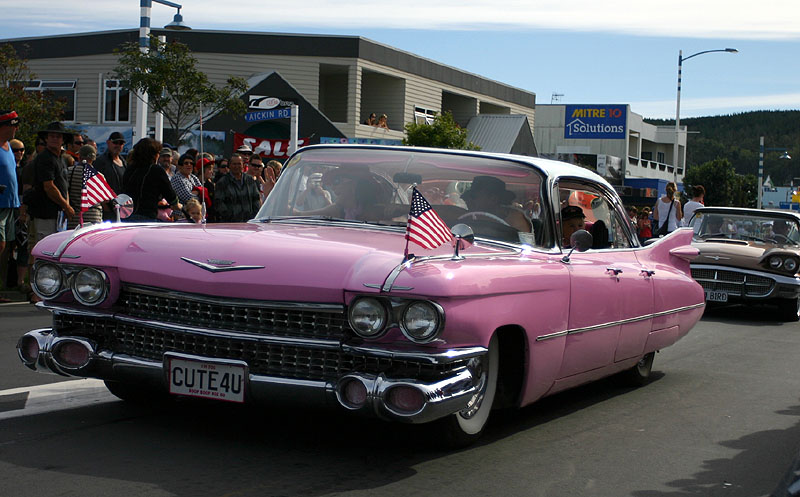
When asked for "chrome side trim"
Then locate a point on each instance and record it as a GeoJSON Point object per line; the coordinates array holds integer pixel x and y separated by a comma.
{"type": "Point", "coordinates": [584, 329]}
{"type": "Point", "coordinates": [79, 232]}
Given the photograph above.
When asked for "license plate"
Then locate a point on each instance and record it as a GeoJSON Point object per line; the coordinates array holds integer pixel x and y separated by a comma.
{"type": "Point", "coordinates": [205, 379]}
{"type": "Point", "coordinates": [717, 296]}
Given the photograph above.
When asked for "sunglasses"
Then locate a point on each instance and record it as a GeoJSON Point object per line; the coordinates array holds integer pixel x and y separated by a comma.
{"type": "Point", "coordinates": [118, 142]}
{"type": "Point", "coordinates": [78, 142]}
{"type": "Point", "coordinates": [15, 150]}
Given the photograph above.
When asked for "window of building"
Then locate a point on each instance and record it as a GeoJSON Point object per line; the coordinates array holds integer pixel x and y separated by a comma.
{"type": "Point", "coordinates": [57, 90]}
{"type": "Point", "coordinates": [660, 157]}
{"type": "Point", "coordinates": [647, 155]}
{"type": "Point", "coordinates": [424, 116]}
{"type": "Point", "coordinates": [116, 102]}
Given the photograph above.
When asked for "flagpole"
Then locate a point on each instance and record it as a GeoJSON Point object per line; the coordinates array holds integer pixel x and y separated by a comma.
{"type": "Point", "coordinates": [202, 178]}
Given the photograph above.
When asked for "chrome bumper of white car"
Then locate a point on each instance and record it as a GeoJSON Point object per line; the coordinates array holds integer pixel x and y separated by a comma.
{"type": "Point", "coordinates": [399, 399]}
{"type": "Point", "coordinates": [746, 283]}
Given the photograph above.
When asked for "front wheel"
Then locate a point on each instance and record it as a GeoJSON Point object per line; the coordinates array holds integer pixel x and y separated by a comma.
{"type": "Point", "coordinates": [789, 309]}
{"type": "Point", "coordinates": [466, 426]}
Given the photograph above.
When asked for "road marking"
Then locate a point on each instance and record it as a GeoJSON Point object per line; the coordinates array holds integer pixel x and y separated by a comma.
{"type": "Point", "coordinates": [56, 397]}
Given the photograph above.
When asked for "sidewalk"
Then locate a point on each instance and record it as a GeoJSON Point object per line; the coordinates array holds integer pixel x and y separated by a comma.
{"type": "Point", "coordinates": [12, 295]}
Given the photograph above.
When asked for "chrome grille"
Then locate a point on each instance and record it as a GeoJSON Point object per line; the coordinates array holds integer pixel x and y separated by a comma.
{"type": "Point", "coordinates": [736, 284]}
{"type": "Point", "coordinates": [263, 358]}
{"type": "Point", "coordinates": [327, 322]}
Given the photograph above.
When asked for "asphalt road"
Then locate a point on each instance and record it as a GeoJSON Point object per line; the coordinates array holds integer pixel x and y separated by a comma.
{"type": "Point", "coordinates": [720, 418]}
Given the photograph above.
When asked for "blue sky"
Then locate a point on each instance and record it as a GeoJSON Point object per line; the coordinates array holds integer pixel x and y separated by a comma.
{"type": "Point", "coordinates": [610, 52]}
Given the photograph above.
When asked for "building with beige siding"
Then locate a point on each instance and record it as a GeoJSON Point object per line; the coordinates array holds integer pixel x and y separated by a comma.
{"type": "Point", "coordinates": [341, 80]}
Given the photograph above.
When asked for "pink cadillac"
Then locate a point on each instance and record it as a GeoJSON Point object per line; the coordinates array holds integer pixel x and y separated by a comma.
{"type": "Point", "coordinates": [322, 298]}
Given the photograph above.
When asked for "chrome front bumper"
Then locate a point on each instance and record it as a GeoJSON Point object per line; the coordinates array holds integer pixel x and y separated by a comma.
{"type": "Point", "coordinates": [38, 350]}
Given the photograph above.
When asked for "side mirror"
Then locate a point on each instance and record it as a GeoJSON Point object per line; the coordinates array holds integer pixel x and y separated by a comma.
{"type": "Point", "coordinates": [123, 204]}
{"type": "Point", "coordinates": [463, 239]}
{"type": "Point", "coordinates": [581, 241]}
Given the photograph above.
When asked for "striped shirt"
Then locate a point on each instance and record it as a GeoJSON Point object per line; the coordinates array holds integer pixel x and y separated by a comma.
{"type": "Point", "coordinates": [94, 214]}
{"type": "Point", "coordinates": [183, 185]}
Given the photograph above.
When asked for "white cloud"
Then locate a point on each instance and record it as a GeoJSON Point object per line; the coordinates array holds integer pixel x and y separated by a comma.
{"type": "Point", "coordinates": [768, 19]}
{"type": "Point", "coordinates": [694, 107]}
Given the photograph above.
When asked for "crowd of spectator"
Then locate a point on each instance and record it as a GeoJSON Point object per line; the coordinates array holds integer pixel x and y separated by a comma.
{"type": "Point", "coordinates": [42, 191]}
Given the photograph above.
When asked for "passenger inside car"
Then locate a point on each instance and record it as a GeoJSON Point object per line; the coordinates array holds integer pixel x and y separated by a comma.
{"type": "Point", "coordinates": [487, 198]}
{"type": "Point", "coordinates": [572, 220]}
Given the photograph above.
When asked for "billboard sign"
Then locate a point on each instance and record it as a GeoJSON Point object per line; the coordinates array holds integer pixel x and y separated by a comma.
{"type": "Point", "coordinates": [595, 122]}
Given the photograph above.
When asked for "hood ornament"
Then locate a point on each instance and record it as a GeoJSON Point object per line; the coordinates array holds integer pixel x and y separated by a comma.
{"type": "Point", "coordinates": [219, 266]}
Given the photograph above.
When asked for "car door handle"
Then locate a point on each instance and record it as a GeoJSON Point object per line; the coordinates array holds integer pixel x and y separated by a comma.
{"type": "Point", "coordinates": [613, 270]}
{"type": "Point", "coordinates": [648, 272]}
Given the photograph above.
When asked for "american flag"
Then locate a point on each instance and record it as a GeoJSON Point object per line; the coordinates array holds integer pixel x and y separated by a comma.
{"type": "Point", "coordinates": [425, 227]}
{"type": "Point", "coordinates": [95, 188]}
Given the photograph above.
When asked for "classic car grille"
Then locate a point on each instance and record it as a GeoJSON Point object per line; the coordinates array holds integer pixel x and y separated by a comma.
{"type": "Point", "coordinates": [260, 318]}
{"type": "Point", "coordinates": [733, 282]}
{"type": "Point", "coordinates": [270, 359]}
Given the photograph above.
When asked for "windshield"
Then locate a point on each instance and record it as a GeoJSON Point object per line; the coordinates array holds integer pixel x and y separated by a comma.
{"type": "Point", "coordinates": [758, 227]}
{"type": "Point", "coordinates": [499, 199]}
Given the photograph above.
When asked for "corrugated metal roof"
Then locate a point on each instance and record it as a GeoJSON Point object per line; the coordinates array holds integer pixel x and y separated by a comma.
{"type": "Point", "coordinates": [496, 132]}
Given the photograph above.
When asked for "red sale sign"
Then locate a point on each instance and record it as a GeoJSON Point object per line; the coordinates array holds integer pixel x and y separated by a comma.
{"type": "Point", "coordinates": [265, 147]}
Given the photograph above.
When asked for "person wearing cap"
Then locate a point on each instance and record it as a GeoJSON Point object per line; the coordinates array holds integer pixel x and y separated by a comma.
{"type": "Point", "coordinates": [572, 220]}
{"type": "Point", "coordinates": [488, 198]}
{"type": "Point", "coordinates": [236, 197]}
{"type": "Point", "coordinates": [165, 161]}
{"type": "Point", "coordinates": [9, 193]}
{"type": "Point", "coordinates": [87, 155]}
{"type": "Point", "coordinates": [184, 181]}
{"type": "Point", "coordinates": [314, 196]}
{"type": "Point", "coordinates": [246, 152]}
{"type": "Point", "coordinates": [113, 166]}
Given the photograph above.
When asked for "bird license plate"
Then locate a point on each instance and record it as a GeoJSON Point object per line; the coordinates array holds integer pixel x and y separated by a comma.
{"type": "Point", "coordinates": [716, 296]}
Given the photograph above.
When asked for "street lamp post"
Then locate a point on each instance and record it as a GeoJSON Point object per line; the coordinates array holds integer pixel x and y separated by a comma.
{"type": "Point", "coordinates": [761, 150]}
{"type": "Point", "coordinates": [140, 126]}
{"type": "Point", "coordinates": [681, 58]}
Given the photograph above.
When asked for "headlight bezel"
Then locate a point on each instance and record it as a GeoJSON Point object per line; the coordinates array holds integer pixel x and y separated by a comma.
{"type": "Point", "coordinates": [397, 309]}
{"type": "Point", "coordinates": [36, 287]}
{"type": "Point", "coordinates": [103, 287]}
{"type": "Point", "coordinates": [790, 264]}
{"type": "Point", "coordinates": [379, 305]}
{"type": "Point", "coordinates": [435, 309]}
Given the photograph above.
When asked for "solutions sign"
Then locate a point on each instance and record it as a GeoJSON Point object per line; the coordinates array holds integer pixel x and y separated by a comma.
{"type": "Point", "coordinates": [597, 122]}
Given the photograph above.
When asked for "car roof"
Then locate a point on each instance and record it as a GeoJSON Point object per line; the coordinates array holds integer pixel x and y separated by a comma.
{"type": "Point", "coordinates": [550, 168]}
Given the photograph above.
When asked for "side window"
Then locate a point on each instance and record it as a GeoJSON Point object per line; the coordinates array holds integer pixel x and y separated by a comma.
{"type": "Point", "coordinates": [583, 206]}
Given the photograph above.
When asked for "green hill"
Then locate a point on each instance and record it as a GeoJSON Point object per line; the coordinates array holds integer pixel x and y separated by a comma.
{"type": "Point", "coordinates": [736, 137]}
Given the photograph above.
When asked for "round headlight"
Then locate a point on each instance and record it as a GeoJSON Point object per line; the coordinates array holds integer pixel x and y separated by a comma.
{"type": "Point", "coordinates": [89, 286]}
{"type": "Point", "coordinates": [790, 264]}
{"type": "Point", "coordinates": [775, 262]}
{"type": "Point", "coordinates": [421, 321]}
{"type": "Point", "coordinates": [368, 317]}
{"type": "Point", "coordinates": [47, 280]}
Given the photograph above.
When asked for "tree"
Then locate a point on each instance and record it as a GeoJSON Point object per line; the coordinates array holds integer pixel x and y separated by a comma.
{"type": "Point", "coordinates": [175, 87]}
{"type": "Point", "coordinates": [723, 186]}
{"type": "Point", "coordinates": [36, 109]}
{"type": "Point", "coordinates": [443, 133]}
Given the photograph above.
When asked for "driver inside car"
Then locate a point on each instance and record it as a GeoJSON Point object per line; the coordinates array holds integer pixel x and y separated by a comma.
{"type": "Point", "coordinates": [488, 199]}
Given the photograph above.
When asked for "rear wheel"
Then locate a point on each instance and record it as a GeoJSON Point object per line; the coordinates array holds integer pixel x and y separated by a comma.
{"type": "Point", "coordinates": [466, 426]}
{"type": "Point", "coordinates": [789, 309]}
{"type": "Point", "coordinates": [639, 374]}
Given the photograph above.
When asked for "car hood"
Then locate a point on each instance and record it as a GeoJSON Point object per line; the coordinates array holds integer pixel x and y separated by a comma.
{"type": "Point", "coordinates": [281, 261]}
{"type": "Point", "coordinates": [740, 254]}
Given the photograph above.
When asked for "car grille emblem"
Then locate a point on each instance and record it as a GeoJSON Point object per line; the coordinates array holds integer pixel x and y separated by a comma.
{"type": "Point", "coordinates": [717, 257]}
{"type": "Point", "coordinates": [219, 266]}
